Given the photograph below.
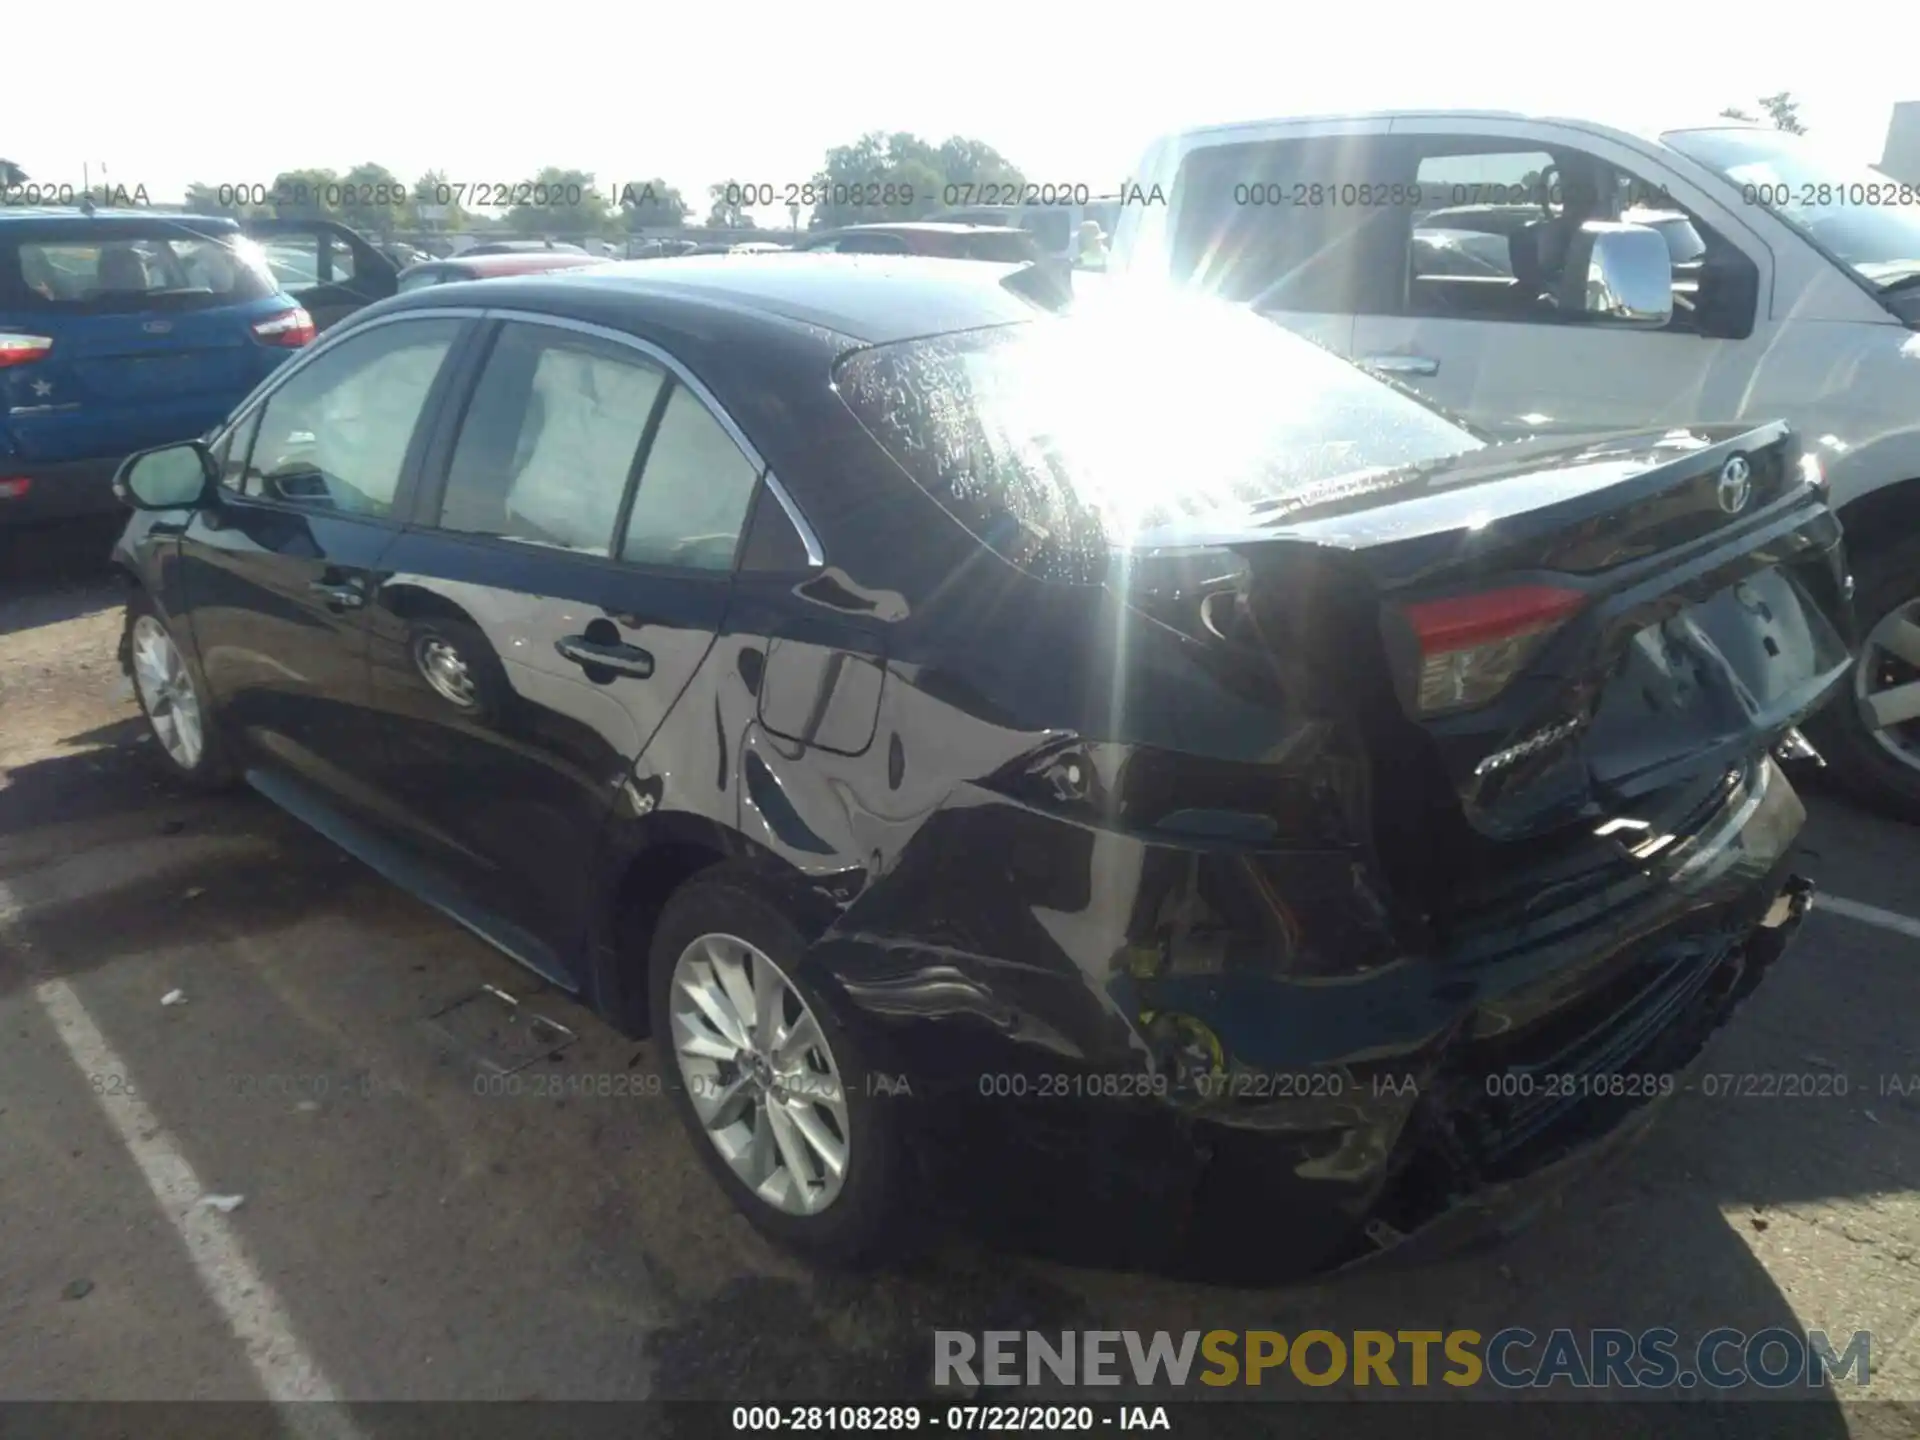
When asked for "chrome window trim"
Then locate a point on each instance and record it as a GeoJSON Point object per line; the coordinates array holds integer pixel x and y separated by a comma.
{"type": "Point", "coordinates": [816, 556]}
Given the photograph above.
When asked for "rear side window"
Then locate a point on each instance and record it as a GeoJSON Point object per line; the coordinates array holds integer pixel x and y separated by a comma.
{"type": "Point", "coordinates": [550, 440]}
{"type": "Point", "coordinates": [123, 271]}
{"type": "Point", "coordinates": [694, 491]}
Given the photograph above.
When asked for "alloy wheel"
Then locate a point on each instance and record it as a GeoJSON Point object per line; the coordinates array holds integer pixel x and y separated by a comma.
{"type": "Point", "coordinates": [1886, 683]}
{"type": "Point", "coordinates": [446, 671]}
{"type": "Point", "coordinates": [166, 690]}
{"type": "Point", "coordinates": [760, 1074]}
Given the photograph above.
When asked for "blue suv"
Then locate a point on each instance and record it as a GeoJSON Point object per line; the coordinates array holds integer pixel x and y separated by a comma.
{"type": "Point", "coordinates": [120, 330]}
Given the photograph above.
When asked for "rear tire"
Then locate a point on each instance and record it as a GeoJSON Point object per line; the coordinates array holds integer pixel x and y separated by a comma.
{"type": "Point", "coordinates": [722, 938]}
{"type": "Point", "coordinates": [1879, 765]}
{"type": "Point", "coordinates": [173, 699]}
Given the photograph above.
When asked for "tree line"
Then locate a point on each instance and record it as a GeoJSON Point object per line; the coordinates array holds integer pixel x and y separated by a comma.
{"type": "Point", "coordinates": [1782, 109]}
{"type": "Point", "coordinates": [880, 176]}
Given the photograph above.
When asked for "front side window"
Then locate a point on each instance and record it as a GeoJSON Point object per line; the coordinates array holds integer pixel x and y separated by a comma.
{"type": "Point", "coordinates": [335, 436]}
{"type": "Point", "coordinates": [1473, 213]}
{"type": "Point", "coordinates": [338, 266]}
{"type": "Point", "coordinates": [1494, 225]}
{"type": "Point", "coordinates": [293, 261]}
{"type": "Point", "coordinates": [1229, 421]}
{"type": "Point", "coordinates": [550, 439]}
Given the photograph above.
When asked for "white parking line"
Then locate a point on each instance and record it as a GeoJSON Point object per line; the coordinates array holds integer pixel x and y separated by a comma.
{"type": "Point", "coordinates": [253, 1312]}
{"type": "Point", "coordinates": [1866, 914]}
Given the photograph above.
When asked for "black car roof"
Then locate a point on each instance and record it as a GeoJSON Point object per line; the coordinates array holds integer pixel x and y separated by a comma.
{"type": "Point", "coordinates": [870, 299]}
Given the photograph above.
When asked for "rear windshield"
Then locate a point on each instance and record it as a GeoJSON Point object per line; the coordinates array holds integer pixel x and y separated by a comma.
{"type": "Point", "coordinates": [123, 272]}
{"type": "Point", "coordinates": [1132, 421]}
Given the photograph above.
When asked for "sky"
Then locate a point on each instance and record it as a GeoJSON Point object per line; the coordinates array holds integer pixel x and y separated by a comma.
{"type": "Point", "coordinates": [235, 93]}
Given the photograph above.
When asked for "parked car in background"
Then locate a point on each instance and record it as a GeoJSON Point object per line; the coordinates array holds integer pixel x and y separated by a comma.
{"type": "Point", "coordinates": [405, 256]}
{"type": "Point", "coordinates": [1451, 250]}
{"type": "Point", "coordinates": [469, 266]}
{"type": "Point", "coordinates": [120, 330]}
{"type": "Point", "coordinates": [330, 268]}
{"type": "Point", "coordinates": [796, 657]}
{"type": "Point", "coordinates": [1003, 243]}
{"type": "Point", "coordinates": [658, 248]}
{"type": "Point", "coordinates": [522, 247]}
{"type": "Point", "coordinates": [1056, 228]}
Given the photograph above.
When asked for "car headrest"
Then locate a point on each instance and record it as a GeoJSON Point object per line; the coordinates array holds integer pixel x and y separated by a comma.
{"type": "Point", "coordinates": [121, 269]}
{"type": "Point", "coordinates": [1570, 290]}
{"type": "Point", "coordinates": [1524, 254]}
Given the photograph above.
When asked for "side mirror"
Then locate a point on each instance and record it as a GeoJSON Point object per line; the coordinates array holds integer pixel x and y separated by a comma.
{"type": "Point", "coordinates": [1622, 273]}
{"type": "Point", "coordinates": [169, 477]}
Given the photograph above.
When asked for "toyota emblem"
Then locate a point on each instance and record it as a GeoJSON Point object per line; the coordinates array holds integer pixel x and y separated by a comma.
{"type": "Point", "coordinates": [1736, 485]}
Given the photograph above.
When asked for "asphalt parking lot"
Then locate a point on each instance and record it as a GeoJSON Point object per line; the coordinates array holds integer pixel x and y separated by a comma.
{"type": "Point", "coordinates": [404, 1234]}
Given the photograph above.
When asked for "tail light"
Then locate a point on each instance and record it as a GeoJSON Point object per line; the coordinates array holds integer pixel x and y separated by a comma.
{"type": "Point", "coordinates": [19, 349]}
{"type": "Point", "coordinates": [1471, 646]}
{"type": "Point", "coordinates": [15, 488]}
{"type": "Point", "coordinates": [290, 329]}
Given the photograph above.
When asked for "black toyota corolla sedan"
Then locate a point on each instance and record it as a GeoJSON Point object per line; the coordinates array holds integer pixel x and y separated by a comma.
{"type": "Point", "coordinates": [996, 741]}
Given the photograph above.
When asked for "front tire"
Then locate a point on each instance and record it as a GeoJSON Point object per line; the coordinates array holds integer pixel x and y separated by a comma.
{"type": "Point", "coordinates": [773, 1086]}
{"type": "Point", "coordinates": [173, 700]}
{"type": "Point", "coordinates": [1870, 734]}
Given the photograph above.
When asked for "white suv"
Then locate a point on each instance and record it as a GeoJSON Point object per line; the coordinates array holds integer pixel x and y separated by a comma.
{"type": "Point", "coordinates": [1432, 246]}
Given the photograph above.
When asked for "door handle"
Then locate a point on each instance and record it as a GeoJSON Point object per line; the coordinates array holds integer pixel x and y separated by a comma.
{"type": "Point", "coordinates": [339, 596]}
{"type": "Point", "coordinates": [606, 655]}
{"type": "Point", "coordinates": [1402, 364]}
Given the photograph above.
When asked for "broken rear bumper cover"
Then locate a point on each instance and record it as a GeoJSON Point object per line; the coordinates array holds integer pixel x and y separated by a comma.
{"type": "Point", "coordinates": [1593, 1126]}
{"type": "Point", "coordinates": [1402, 1111]}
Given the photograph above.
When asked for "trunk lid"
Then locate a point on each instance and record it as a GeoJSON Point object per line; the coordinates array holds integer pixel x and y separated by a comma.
{"type": "Point", "coordinates": [1645, 608]}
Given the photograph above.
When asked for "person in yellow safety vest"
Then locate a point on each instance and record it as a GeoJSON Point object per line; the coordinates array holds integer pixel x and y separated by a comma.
{"type": "Point", "coordinates": [1090, 251]}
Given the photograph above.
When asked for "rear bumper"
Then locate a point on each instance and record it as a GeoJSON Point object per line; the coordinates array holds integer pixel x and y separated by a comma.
{"type": "Point", "coordinates": [1594, 1130]}
{"type": "Point", "coordinates": [62, 490]}
{"type": "Point", "coordinates": [1405, 1109]}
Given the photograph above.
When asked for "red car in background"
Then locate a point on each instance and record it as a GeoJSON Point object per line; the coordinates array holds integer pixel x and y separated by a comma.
{"type": "Point", "coordinates": [486, 267]}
